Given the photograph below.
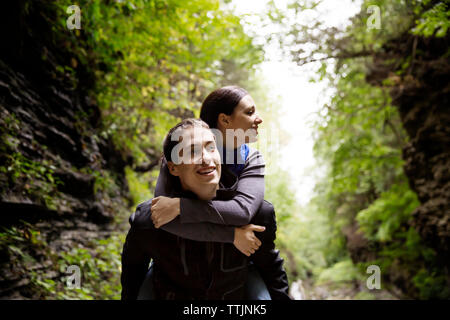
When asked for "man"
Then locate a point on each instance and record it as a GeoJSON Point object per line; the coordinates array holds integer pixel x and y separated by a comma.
{"type": "Point", "coordinates": [183, 268]}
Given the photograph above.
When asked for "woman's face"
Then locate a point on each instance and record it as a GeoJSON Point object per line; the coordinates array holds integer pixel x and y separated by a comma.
{"type": "Point", "coordinates": [243, 117]}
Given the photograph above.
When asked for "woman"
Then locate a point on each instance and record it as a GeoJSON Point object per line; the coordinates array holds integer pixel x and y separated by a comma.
{"type": "Point", "coordinates": [232, 112]}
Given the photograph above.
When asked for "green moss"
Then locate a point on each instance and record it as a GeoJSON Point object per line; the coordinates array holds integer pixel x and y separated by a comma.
{"type": "Point", "coordinates": [342, 272]}
{"type": "Point", "coordinates": [431, 284]}
{"type": "Point", "coordinates": [100, 265]}
{"type": "Point", "coordinates": [20, 174]}
{"type": "Point", "coordinates": [139, 185]}
{"type": "Point", "coordinates": [99, 262]}
{"type": "Point", "coordinates": [33, 179]}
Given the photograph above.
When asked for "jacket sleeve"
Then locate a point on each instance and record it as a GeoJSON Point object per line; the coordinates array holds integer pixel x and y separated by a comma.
{"type": "Point", "coordinates": [199, 231]}
{"type": "Point", "coordinates": [136, 259]}
{"type": "Point", "coordinates": [237, 211]}
{"type": "Point", "coordinates": [267, 259]}
{"type": "Point", "coordinates": [203, 231]}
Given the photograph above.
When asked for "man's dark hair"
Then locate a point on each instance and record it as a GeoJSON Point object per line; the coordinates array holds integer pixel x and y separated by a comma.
{"type": "Point", "coordinates": [173, 186]}
{"type": "Point", "coordinates": [222, 100]}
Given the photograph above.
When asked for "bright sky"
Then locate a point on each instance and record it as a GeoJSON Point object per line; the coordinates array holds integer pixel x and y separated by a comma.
{"type": "Point", "coordinates": [300, 98]}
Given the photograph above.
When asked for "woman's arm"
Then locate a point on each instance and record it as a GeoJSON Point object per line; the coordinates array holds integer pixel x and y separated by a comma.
{"type": "Point", "coordinates": [237, 211]}
{"type": "Point", "coordinates": [242, 238]}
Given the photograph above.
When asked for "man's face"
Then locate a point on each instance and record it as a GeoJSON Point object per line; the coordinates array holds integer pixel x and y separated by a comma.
{"type": "Point", "coordinates": [199, 170]}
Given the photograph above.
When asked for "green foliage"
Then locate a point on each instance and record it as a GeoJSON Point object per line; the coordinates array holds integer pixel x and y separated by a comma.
{"type": "Point", "coordinates": [282, 197]}
{"type": "Point", "coordinates": [26, 248]}
{"type": "Point", "coordinates": [359, 141]}
{"type": "Point", "coordinates": [342, 271]}
{"type": "Point", "coordinates": [147, 63]}
{"type": "Point", "coordinates": [100, 265]}
{"type": "Point", "coordinates": [387, 213]}
{"type": "Point", "coordinates": [433, 22]}
{"type": "Point", "coordinates": [105, 183]}
{"type": "Point", "coordinates": [30, 178]}
{"type": "Point", "coordinates": [358, 144]}
{"type": "Point", "coordinates": [158, 58]}
{"type": "Point", "coordinates": [139, 185]}
{"type": "Point", "coordinates": [40, 182]}
{"type": "Point", "coordinates": [45, 269]}
{"type": "Point", "coordinates": [432, 285]}
{"type": "Point", "coordinates": [154, 61]}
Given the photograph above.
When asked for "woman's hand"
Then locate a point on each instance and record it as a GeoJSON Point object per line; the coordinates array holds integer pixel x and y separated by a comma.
{"type": "Point", "coordinates": [245, 240]}
{"type": "Point", "coordinates": [164, 210]}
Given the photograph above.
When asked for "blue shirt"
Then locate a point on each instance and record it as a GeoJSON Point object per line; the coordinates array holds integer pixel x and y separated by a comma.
{"type": "Point", "coordinates": [239, 156]}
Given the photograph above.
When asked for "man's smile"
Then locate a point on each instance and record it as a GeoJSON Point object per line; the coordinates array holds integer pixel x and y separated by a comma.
{"type": "Point", "coordinates": [207, 171]}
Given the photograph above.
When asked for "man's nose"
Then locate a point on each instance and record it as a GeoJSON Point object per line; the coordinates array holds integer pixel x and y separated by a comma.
{"type": "Point", "coordinates": [206, 157]}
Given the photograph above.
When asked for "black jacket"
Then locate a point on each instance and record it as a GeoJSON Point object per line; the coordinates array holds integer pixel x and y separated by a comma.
{"type": "Point", "coordinates": [267, 259]}
{"type": "Point", "coordinates": [201, 270]}
{"type": "Point", "coordinates": [183, 269]}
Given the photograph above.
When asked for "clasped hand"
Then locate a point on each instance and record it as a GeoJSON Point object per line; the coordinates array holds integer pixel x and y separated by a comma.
{"type": "Point", "coordinates": [164, 210]}
{"type": "Point", "coordinates": [245, 240]}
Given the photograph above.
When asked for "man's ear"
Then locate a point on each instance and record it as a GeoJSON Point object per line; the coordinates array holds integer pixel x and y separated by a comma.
{"type": "Point", "coordinates": [173, 168]}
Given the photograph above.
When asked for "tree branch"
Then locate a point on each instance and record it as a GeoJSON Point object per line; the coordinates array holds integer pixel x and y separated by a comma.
{"type": "Point", "coordinates": [147, 166]}
{"type": "Point", "coordinates": [301, 62]}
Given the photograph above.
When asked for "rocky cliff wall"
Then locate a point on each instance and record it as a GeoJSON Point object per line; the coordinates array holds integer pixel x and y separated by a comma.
{"type": "Point", "coordinates": [422, 95]}
{"type": "Point", "coordinates": [62, 180]}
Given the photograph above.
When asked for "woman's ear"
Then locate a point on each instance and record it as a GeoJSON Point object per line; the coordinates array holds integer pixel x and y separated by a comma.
{"type": "Point", "coordinates": [223, 120]}
{"type": "Point", "coordinates": [173, 169]}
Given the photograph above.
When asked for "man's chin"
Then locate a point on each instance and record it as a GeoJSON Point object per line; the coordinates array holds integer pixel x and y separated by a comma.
{"type": "Point", "coordinates": [208, 196]}
{"type": "Point", "coordinates": [208, 191]}
{"type": "Point", "coordinates": [212, 183]}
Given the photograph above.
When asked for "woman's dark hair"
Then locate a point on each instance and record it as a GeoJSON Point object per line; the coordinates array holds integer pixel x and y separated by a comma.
{"type": "Point", "coordinates": [222, 100]}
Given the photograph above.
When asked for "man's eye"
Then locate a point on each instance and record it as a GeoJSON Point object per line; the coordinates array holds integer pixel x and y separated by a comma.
{"type": "Point", "coordinates": [211, 147]}
{"type": "Point", "coordinates": [195, 151]}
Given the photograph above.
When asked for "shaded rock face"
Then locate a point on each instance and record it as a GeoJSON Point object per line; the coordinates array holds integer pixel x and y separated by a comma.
{"type": "Point", "coordinates": [58, 172]}
{"type": "Point", "coordinates": [422, 96]}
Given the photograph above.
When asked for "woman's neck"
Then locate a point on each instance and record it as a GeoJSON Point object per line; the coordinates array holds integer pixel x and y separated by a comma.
{"type": "Point", "coordinates": [229, 145]}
